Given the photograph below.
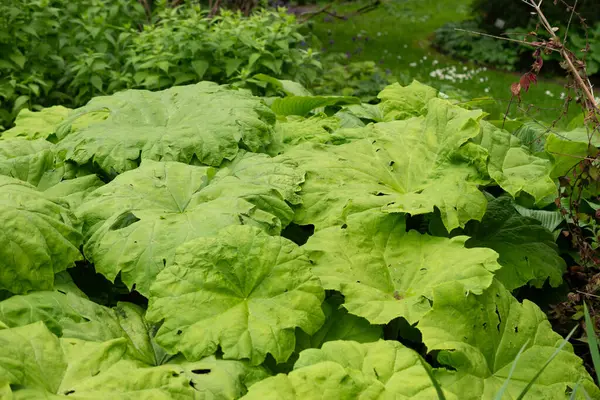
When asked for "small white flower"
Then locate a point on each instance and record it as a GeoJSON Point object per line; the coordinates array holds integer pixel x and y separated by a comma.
{"type": "Point", "coordinates": [549, 93]}
{"type": "Point", "coordinates": [405, 46]}
{"type": "Point", "coordinates": [378, 33]}
{"type": "Point", "coordinates": [563, 95]}
{"type": "Point", "coordinates": [487, 90]}
{"type": "Point", "coordinates": [444, 95]}
{"type": "Point", "coordinates": [413, 64]}
{"type": "Point", "coordinates": [424, 57]}
{"type": "Point", "coordinates": [435, 62]}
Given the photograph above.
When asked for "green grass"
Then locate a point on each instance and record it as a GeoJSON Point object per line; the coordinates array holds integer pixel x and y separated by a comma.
{"type": "Point", "coordinates": [399, 34]}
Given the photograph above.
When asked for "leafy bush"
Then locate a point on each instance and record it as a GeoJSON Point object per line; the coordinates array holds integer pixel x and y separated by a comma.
{"type": "Point", "coordinates": [185, 47]}
{"type": "Point", "coordinates": [592, 45]}
{"type": "Point", "coordinates": [363, 79]}
{"type": "Point", "coordinates": [479, 49]}
{"type": "Point", "coordinates": [46, 45]}
{"type": "Point", "coordinates": [320, 240]}
{"type": "Point", "coordinates": [64, 52]}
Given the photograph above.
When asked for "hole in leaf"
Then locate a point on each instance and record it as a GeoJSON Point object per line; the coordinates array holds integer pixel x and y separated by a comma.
{"type": "Point", "coordinates": [192, 384]}
{"type": "Point", "coordinates": [298, 234]}
{"type": "Point", "coordinates": [179, 331]}
{"type": "Point", "coordinates": [60, 291]}
{"type": "Point", "coordinates": [344, 226]}
{"type": "Point", "coordinates": [201, 371]}
{"type": "Point", "coordinates": [68, 392]}
{"type": "Point", "coordinates": [164, 262]}
{"type": "Point", "coordinates": [516, 329]}
{"type": "Point", "coordinates": [174, 374]}
{"type": "Point", "coordinates": [123, 221]}
{"type": "Point", "coordinates": [499, 319]}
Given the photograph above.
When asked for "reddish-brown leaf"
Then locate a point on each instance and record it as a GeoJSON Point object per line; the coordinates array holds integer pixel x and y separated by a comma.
{"type": "Point", "coordinates": [515, 88]}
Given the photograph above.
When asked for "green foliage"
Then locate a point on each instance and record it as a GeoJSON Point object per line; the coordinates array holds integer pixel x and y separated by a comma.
{"type": "Point", "coordinates": [57, 51]}
{"type": "Point", "coordinates": [592, 46]}
{"type": "Point", "coordinates": [64, 52]}
{"type": "Point", "coordinates": [185, 46]}
{"type": "Point", "coordinates": [362, 79]}
{"type": "Point", "coordinates": [476, 48]}
{"type": "Point", "coordinates": [180, 201]}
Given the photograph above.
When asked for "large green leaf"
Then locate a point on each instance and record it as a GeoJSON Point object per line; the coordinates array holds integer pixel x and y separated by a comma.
{"type": "Point", "coordinates": [39, 238]}
{"type": "Point", "coordinates": [407, 166]}
{"type": "Point", "coordinates": [135, 223]}
{"type": "Point", "coordinates": [37, 125]}
{"type": "Point", "coordinates": [74, 191]}
{"type": "Point", "coordinates": [549, 219]}
{"type": "Point", "coordinates": [570, 148]}
{"type": "Point", "coordinates": [385, 272]}
{"type": "Point", "coordinates": [513, 167]}
{"type": "Point", "coordinates": [31, 161]}
{"type": "Point", "coordinates": [528, 252]}
{"type": "Point", "coordinates": [242, 290]}
{"type": "Point", "coordinates": [480, 336]}
{"type": "Point", "coordinates": [295, 130]}
{"type": "Point", "coordinates": [302, 105]}
{"type": "Point", "coordinates": [202, 122]}
{"type": "Point", "coordinates": [347, 370]}
{"type": "Point", "coordinates": [31, 356]}
{"type": "Point", "coordinates": [38, 365]}
{"type": "Point", "coordinates": [70, 316]}
{"type": "Point", "coordinates": [402, 102]}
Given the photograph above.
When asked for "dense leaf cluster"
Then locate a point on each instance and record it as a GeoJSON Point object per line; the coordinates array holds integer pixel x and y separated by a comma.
{"type": "Point", "coordinates": [316, 245]}
{"type": "Point", "coordinates": [65, 52]}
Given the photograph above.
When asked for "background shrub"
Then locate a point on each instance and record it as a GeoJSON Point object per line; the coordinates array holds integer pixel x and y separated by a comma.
{"type": "Point", "coordinates": [480, 49]}
{"type": "Point", "coordinates": [65, 52]}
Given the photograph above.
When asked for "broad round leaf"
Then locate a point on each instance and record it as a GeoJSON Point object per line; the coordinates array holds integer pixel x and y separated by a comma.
{"type": "Point", "coordinates": [71, 316]}
{"type": "Point", "coordinates": [31, 161]}
{"type": "Point", "coordinates": [38, 365]}
{"type": "Point", "coordinates": [513, 167]}
{"type": "Point", "coordinates": [203, 122]}
{"type": "Point", "coordinates": [402, 102]}
{"type": "Point", "coordinates": [242, 290]}
{"type": "Point", "coordinates": [347, 370]}
{"type": "Point", "coordinates": [385, 272]}
{"type": "Point", "coordinates": [479, 337]}
{"type": "Point", "coordinates": [407, 166]}
{"type": "Point", "coordinates": [39, 238]}
{"type": "Point", "coordinates": [528, 252]}
{"type": "Point", "coordinates": [134, 224]}
{"type": "Point", "coordinates": [36, 125]}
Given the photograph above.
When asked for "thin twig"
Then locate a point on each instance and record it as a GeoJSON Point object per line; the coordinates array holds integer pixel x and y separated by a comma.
{"type": "Point", "coordinates": [588, 294]}
{"type": "Point", "coordinates": [570, 19]}
{"type": "Point", "coordinates": [507, 111]}
{"type": "Point", "coordinates": [523, 42]}
{"type": "Point", "coordinates": [565, 54]}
